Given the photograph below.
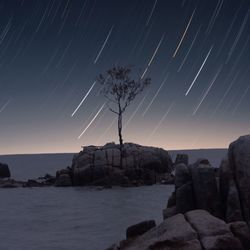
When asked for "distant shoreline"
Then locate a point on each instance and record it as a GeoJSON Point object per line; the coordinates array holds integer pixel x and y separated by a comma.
{"type": "Point", "coordinates": [68, 153]}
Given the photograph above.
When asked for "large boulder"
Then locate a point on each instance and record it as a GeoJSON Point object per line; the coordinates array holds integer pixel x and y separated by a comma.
{"type": "Point", "coordinates": [182, 175]}
{"type": "Point", "coordinates": [196, 187]}
{"type": "Point", "coordinates": [213, 233]}
{"type": "Point", "coordinates": [241, 230]}
{"type": "Point", "coordinates": [173, 233]}
{"type": "Point", "coordinates": [185, 200]}
{"type": "Point", "coordinates": [196, 229]}
{"type": "Point", "coordinates": [205, 187]}
{"type": "Point", "coordinates": [4, 171]}
{"type": "Point", "coordinates": [225, 192]}
{"type": "Point", "coordinates": [239, 164]}
{"type": "Point", "coordinates": [101, 165]}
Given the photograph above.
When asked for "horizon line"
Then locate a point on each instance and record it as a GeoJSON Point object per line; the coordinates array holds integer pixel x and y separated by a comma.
{"type": "Point", "coordinates": [74, 152]}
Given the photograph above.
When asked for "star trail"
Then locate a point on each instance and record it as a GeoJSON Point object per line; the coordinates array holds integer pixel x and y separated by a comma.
{"type": "Point", "coordinates": [51, 52]}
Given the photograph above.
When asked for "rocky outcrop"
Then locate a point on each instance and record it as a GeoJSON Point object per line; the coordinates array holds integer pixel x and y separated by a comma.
{"type": "Point", "coordinates": [205, 187]}
{"type": "Point", "coordinates": [213, 233]}
{"type": "Point", "coordinates": [225, 193]}
{"type": "Point", "coordinates": [4, 171]}
{"type": "Point", "coordinates": [193, 230]}
{"type": "Point", "coordinates": [241, 230]}
{"type": "Point", "coordinates": [239, 177]}
{"type": "Point", "coordinates": [64, 177]}
{"type": "Point", "coordinates": [173, 233]}
{"type": "Point", "coordinates": [101, 165]}
{"type": "Point", "coordinates": [195, 188]}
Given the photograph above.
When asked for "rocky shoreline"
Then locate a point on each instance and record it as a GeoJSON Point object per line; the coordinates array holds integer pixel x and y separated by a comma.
{"type": "Point", "coordinates": [208, 210]}
{"type": "Point", "coordinates": [99, 166]}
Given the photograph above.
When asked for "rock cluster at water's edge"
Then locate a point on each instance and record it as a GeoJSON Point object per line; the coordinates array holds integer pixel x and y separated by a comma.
{"type": "Point", "coordinates": [100, 166]}
{"type": "Point", "coordinates": [225, 195]}
{"type": "Point", "coordinates": [194, 230]}
{"type": "Point", "coordinates": [208, 210]}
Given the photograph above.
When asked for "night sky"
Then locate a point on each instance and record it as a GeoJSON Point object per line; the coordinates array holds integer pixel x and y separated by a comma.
{"type": "Point", "coordinates": [195, 52]}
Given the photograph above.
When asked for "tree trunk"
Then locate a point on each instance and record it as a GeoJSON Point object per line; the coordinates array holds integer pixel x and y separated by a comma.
{"type": "Point", "coordinates": [120, 136]}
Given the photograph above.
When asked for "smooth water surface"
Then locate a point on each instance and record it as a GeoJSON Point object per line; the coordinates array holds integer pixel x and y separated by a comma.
{"type": "Point", "coordinates": [75, 218]}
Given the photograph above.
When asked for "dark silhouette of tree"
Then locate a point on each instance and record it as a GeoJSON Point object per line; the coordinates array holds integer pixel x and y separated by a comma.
{"type": "Point", "coordinates": [120, 89]}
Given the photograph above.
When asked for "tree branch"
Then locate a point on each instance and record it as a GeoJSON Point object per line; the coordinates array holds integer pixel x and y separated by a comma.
{"type": "Point", "coordinates": [113, 111]}
{"type": "Point", "coordinates": [110, 99]}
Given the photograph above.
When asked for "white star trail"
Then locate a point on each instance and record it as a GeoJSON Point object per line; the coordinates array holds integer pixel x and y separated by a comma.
{"type": "Point", "coordinates": [135, 111]}
{"type": "Point", "coordinates": [154, 97]}
{"type": "Point", "coordinates": [153, 56]}
{"type": "Point", "coordinates": [81, 12]}
{"type": "Point", "coordinates": [4, 106]}
{"type": "Point", "coordinates": [84, 98]}
{"type": "Point", "coordinates": [43, 17]}
{"type": "Point", "coordinates": [103, 46]}
{"type": "Point", "coordinates": [71, 70]}
{"type": "Point", "coordinates": [207, 91]}
{"type": "Point", "coordinates": [190, 87]}
{"type": "Point", "coordinates": [184, 34]}
{"type": "Point", "coordinates": [50, 62]}
{"type": "Point", "coordinates": [5, 30]}
{"type": "Point", "coordinates": [241, 99]}
{"type": "Point", "coordinates": [238, 35]}
{"type": "Point", "coordinates": [151, 13]}
{"type": "Point", "coordinates": [225, 94]}
{"type": "Point", "coordinates": [91, 121]}
{"type": "Point", "coordinates": [64, 53]}
{"type": "Point", "coordinates": [161, 121]}
{"type": "Point", "coordinates": [228, 32]}
{"type": "Point", "coordinates": [214, 16]}
{"type": "Point", "coordinates": [185, 58]}
{"type": "Point", "coordinates": [183, 3]}
{"type": "Point", "coordinates": [106, 130]}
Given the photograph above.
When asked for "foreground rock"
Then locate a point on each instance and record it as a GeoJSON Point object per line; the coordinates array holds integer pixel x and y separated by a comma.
{"type": "Point", "coordinates": [239, 174]}
{"type": "Point", "coordinates": [195, 230]}
{"type": "Point", "coordinates": [195, 188]}
{"type": "Point", "coordinates": [224, 193]}
{"type": "Point", "coordinates": [209, 209]}
{"type": "Point", "coordinates": [100, 166]}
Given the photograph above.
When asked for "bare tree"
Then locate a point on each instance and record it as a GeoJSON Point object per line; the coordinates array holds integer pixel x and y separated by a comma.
{"type": "Point", "coordinates": [120, 89]}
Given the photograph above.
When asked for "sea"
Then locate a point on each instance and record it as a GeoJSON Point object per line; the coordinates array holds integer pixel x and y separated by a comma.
{"type": "Point", "coordinates": [75, 218]}
{"type": "Point", "coordinates": [70, 218]}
